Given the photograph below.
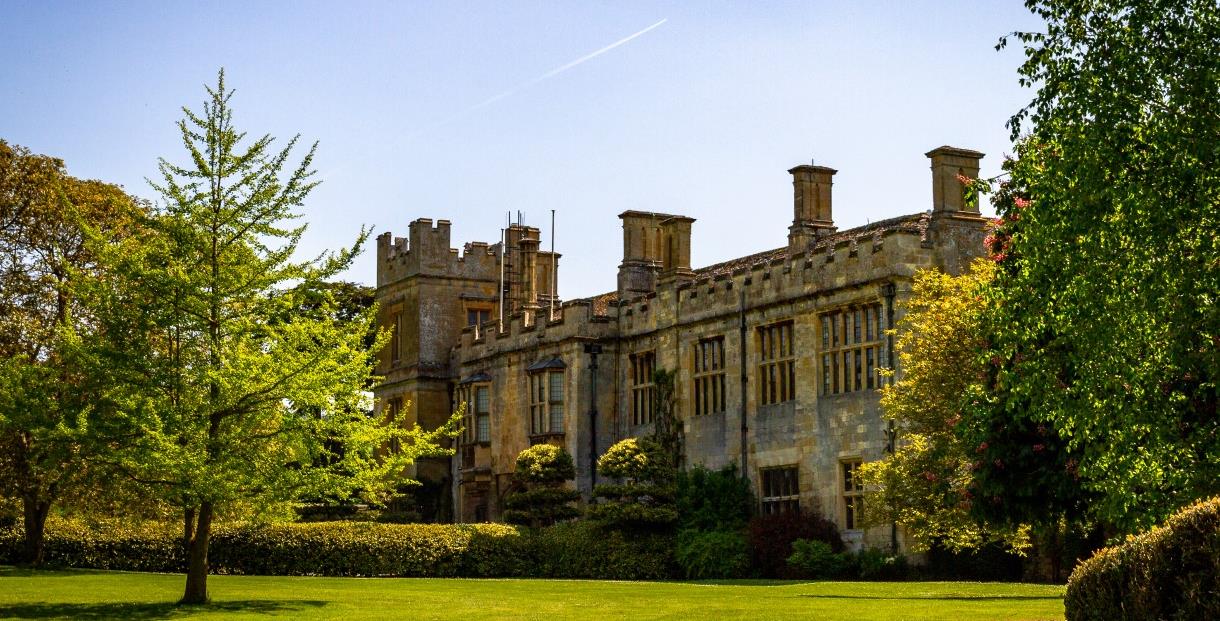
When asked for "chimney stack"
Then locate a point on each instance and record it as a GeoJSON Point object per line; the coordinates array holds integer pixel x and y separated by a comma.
{"type": "Point", "coordinates": [811, 205]}
{"type": "Point", "coordinates": [949, 194]}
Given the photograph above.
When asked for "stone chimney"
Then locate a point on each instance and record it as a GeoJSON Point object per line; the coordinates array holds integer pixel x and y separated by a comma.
{"type": "Point", "coordinates": [654, 244]}
{"type": "Point", "coordinates": [949, 194]}
{"type": "Point", "coordinates": [811, 205]}
{"type": "Point", "coordinates": [675, 246]}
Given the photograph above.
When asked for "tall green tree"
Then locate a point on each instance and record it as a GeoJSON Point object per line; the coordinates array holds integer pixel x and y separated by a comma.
{"type": "Point", "coordinates": [924, 485]}
{"type": "Point", "coordinates": [45, 220]}
{"type": "Point", "coordinates": [236, 375]}
{"type": "Point", "coordinates": [1105, 328]}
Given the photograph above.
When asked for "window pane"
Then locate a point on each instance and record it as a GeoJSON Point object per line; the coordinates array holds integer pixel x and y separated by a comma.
{"type": "Point", "coordinates": [556, 387]}
{"type": "Point", "coordinates": [869, 368]}
{"type": "Point", "coordinates": [859, 370]}
{"type": "Point", "coordinates": [482, 400]}
{"type": "Point", "coordinates": [556, 418]}
{"type": "Point", "coordinates": [484, 428]}
{"type": "Point", "coordinates": [825, 333]}
{"type": "Point", "coordinates": [856, 326]}
{"type": "Point", "coordinates": [834, 330]}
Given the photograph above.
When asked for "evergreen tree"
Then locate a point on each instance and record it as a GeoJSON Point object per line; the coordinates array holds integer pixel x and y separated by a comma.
{"type": "Point", "coordinates": [234, 375]}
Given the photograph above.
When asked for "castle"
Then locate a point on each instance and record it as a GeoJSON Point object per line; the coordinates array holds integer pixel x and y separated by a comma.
{"type": "Point", "coordinates": [776, 354]}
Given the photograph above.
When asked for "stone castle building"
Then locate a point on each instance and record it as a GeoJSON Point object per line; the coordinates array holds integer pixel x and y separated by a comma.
{"type": "Point", "coordinates": [776, 354]}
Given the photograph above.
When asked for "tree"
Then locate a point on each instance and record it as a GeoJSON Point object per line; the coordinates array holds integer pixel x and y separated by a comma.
{"type": "Point", "coordinates": [924, 485]}
{"type": "Point", "coordinates": [45, 221]}
{"type": "Point", "coordinates": [542, 470]}
{"type": "Point", "coordinates": [218, 399]}
{"type": "Point", "coordinates": [1105, 321]}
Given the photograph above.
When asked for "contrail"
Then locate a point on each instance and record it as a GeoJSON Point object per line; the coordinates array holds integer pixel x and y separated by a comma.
{"type": "Point", "coordinates": [542, 78]}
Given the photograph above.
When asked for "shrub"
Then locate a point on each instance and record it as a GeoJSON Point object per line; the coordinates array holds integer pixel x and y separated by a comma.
{"type": "Point", "coordinates": [878, 564]}
{"type": "Point", "coordinates": [634, 460]}
{"type": "Point", "coordinates": [713, 554]}
{"type": "Point", "coordinates": [586, 550]}
{"type": "Point", "coordinates": [992, 561]}
{"type": "Point", "coordinates": [542, 469]}
{"type": "Point", "coordinates": [570, 550]}
{"type": "Point", "coordinates": [544, 463]}
{"type": "Point", "coordinates": [816, 559]}
{"type": "Point", "coordinates": [711, 500]}
{"type": "Point", "coordinates": [771, 536]}
{"type": "Point", "coordinates": [1169, 572]}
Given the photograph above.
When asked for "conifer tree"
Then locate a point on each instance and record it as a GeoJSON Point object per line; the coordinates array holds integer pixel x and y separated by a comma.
{"type": "Point", "coordinates": [235, 381]}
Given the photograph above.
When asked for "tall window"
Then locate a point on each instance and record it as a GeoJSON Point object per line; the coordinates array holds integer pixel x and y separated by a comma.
{"type": "Point", "coordinates": [851, 349]}
{"type": "Point", "coordinates": [476, 422]}
{"type": "Point", "coordinates": [546, 402]}
{"type": "Point", "coordinates": [776, 368]}
{"type": "Point", "coordinates": [642, 388]}
{"type": "Point", "coordinates": [709, 376]}
{"type": "Point", "coordinates": [780, 490]}
{"type": "Point", "coordinates": [395, 408]}
{"type": "Point", "coordinates": [853, 496]}
{"type": "Point", "coordinates": [396, 337]}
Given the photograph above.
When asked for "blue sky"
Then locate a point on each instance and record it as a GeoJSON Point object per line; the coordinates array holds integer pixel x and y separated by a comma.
{"type": "Point", "coordinates": [702, 115]}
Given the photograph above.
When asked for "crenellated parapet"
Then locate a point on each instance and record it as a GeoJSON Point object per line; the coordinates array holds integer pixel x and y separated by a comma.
{"type": "Point", "coordinates": [583, 318]}
{"type": "Point", "coordinates": [426, 251]}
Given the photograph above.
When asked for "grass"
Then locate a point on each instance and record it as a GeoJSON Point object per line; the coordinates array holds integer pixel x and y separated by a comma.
{"type": "Point", "coordinates": [94, 595]}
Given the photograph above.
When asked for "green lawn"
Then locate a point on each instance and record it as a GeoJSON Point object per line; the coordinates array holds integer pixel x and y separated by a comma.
{"type": "Point", "coordinates": [90, 595]}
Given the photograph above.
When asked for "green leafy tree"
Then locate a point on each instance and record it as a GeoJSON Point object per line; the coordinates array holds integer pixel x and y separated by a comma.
{"type": "Point", "coordinates": [542, 470]}
{"type": "Point", "coordinates": [1104, 329]}
{"type": "Point", "coordinates": [924, 485]}
{"type": "Point", "coordinates": [45, 222]}
{"type": "Point", "coordinates": [645, 500]}
{"type": "Point", "coordinates": [218, 400]}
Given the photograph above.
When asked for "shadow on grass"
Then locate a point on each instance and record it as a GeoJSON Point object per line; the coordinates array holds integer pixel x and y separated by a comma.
{"type": "Point", "coordinates": [947, 598]}
{"type": "Point", "coordinates": [8, 571]}
{"type": "Point", "coordinates": [142, 612]}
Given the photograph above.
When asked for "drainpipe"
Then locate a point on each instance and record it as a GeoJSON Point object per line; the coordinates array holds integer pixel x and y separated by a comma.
{"type": "Point", "coordinates": [593, 349]}
{"type": "Point", "coordinates": [741, 343]}
{"type": "Point", "coordinates": [888, 290]}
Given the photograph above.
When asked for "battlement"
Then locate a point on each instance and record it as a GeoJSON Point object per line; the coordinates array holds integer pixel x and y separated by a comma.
{"type": "Point", "coordinates": [426, 251]}
{"type": "Point", "coordinates": [889, 250]}
{"type": "Point", "coordinates": [583, 318]}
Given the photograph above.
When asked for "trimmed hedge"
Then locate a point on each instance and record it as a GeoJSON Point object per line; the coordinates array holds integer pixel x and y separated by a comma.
{"type": "Point", "coordinates": [1169, 572]}
{"type": "Point", "coordinates": [575, 550]}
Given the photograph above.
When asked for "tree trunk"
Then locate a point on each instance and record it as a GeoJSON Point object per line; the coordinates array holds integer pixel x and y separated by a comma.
{"type": "Point", "coordinates": [35, 514]}
{"type": "Point", "coordinates": [197, 559]}
{"type": "Point", "coordinates": [188, 530]}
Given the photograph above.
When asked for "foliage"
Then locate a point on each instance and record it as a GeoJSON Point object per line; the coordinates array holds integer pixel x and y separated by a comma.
{"type": "Point", "coordinates": [712, 500]}
{"type": "Point", "coordinates": [633, 460]}
{"type": "Point", "coordinates": [46, 221]}
{"type": "Point", "coordinates": [713, 554]}
{"type": "Point", "coordinates": [1169, 572]}
{"type": "Point", "coordinates": [223, 394]}
{"type": "Point", "coordinates": [924, 485]}
{"type": "Point", "coordinates": [645, 501]}
{"type": "Point", "coordinates": [542, 470]}
{"type": "Point", "coordinates": [878, 564]}
{"type": "Point", "coordinates": [1104, 319]}
{"type": "Point", "coordinates": [544, 463]}
{"type": "Point", "coordinates": [586, 549]}
{"type": "Point", "coordinates": [771, 536]}
{"type": "Point", "coordinates": [667, 428]}
{"type": "Point", "coordinates": [816, 559]}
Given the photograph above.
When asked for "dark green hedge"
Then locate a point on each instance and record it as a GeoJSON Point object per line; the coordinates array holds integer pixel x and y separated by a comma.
{"type": "Point", "coordinates": [574, 550]}
{"type": "Point", "coordinates": [1170, 572]}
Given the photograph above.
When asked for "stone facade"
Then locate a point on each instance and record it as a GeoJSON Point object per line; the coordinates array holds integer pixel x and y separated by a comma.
{"type": "Point", "coordinates": [776, 353]}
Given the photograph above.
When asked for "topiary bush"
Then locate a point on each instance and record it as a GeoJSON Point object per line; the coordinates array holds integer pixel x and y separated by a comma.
{"type": "Point", "coordinates": [645, 502]}
{"type": "Point", "coordinates": [542, 470]}
{"type": "Point", "coordinates": [713, 554]}
{"type": "Point", "coordinates": [1169, 572]}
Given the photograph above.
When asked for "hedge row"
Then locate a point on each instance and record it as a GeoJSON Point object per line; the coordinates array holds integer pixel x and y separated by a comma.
{"type": "Point", "coordinates": [574, 550]}
{"type": "Point", "coordinates": [1170, 572]}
